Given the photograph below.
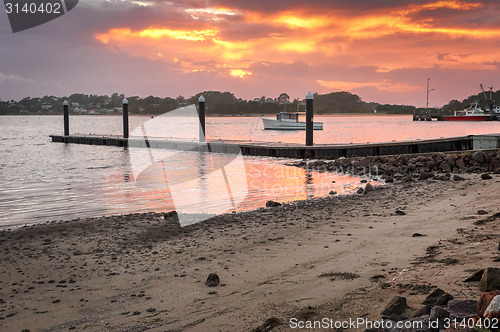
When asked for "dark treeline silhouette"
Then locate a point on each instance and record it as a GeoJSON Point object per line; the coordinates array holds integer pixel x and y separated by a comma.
{"type": "Point", "coordinates": [217, 103]}
{"type": "Point", "coordinates": [480, 98]}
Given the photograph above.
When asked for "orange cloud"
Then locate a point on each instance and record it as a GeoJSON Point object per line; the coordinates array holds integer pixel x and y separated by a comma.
{"type": "Point", "coordinates": [383, 85]}
{"type": "Point", "coordinates": [156, 33]}
{"type": "Point", "coordinates": [396, 38]}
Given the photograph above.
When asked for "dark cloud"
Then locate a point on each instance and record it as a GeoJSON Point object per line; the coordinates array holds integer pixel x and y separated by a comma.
{"type": "Point", "coordinates": [480, 17]}
{"type": "Point", "coordinates": [312, 5]}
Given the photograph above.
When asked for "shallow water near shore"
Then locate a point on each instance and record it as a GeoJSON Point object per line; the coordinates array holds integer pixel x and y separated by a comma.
{"type": "Point", "coordinates": [43, 181]}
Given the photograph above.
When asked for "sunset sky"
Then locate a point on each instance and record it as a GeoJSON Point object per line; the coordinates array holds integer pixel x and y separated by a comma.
{"type": "Point", "coordinates": [384, 51]}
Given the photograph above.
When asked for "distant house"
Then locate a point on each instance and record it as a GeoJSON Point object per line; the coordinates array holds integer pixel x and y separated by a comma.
{"type": "Point", "coordinates": [80, 111]}
{"type": "Point", "coordinates": [46, 106]}
{"type": "Point", "coordinates": [23, 111]}
{"type": "Point", "coordinates": [75, 105]}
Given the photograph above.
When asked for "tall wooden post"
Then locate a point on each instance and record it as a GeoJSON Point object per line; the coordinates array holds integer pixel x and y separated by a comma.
{"type": "Point", "coordinates": [125, 118]}
{"type": "Point", "coordinates": [66, 118]}
{"type": "Point", "coordinates": [201, 116]}
{"type": "Point", "coordinates": [309, 119]}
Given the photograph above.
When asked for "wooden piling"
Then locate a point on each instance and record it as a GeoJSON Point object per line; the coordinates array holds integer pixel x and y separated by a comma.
{"type": "Point", "coordinates": [66, 117]}
{"type": "Point", "coordinates": [309, 119]}
{"type": "Point", "coordinates": [125, 118]}
{"type": "Point", "coordinates": [201, 116]}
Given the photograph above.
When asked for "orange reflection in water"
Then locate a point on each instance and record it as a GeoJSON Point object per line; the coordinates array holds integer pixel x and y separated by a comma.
{"type": "Point", "coordinates": [196, 191]}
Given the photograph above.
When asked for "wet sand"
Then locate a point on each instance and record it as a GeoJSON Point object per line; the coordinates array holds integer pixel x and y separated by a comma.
{"type": "Point", "coordinates": [309, 260]}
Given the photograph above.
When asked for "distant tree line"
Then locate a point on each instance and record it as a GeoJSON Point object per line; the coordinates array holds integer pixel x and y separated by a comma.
{"type": "Point", "coordinates": [219, 103]}
{"type": "Point", "coordinates": [480, 98]}
{"type": "Point", "coordinates": [216, 103]}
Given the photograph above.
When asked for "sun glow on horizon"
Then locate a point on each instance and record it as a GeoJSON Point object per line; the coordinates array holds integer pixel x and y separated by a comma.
{"type": "Point", "coordinates": [240, 73]}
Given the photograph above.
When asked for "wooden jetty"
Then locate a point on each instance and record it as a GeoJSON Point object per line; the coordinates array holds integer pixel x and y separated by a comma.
{"type": "Point", "coordinates": [322, 151]}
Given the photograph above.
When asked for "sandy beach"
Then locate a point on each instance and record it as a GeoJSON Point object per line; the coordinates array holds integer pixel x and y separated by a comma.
{"type": "Point", "coordinates": [335, 257]}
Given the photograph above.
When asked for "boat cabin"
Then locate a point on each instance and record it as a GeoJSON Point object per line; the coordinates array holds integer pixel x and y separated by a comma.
{"type": "Point", "coordinates": [287, 116]}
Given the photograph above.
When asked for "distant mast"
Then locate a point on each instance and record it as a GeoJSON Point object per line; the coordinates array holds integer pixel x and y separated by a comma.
{"type": "Point", "coordinates": [427, 114]}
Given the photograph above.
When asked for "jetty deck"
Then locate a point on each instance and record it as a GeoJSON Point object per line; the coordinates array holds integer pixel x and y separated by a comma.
{"type": "Point", "coordinates": [272, 149]}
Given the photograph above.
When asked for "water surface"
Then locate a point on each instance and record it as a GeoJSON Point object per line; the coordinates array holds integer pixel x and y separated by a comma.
{"type": "Point", "coordinates": [42, 181]}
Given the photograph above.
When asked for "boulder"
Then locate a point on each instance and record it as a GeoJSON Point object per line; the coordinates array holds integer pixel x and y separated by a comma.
{"type": "Point", "coordinates": [407, 178]}
{"type": "Point", "coordinates": [486, 176]}
{"type": "Point", "coordinates": [444, 177]}
{"type": "Point", "coordinates": [426, 176]}
{"type": "Point", "coordinates": [389, 179]}
{"type": "Point", "coordinates": [462, 309]}
{"type": "Point", "coordinates": [171, 214]}
{"type": "Point", "coordinates": [478, 156]}
{"type": "Point", "coordinates": [366, 161]}
{"type": "Point", "coordinates": [425, 310]}
{"type": "Point", "coordinates": [438, 312]}
{"type": "Point", "coordinates": [360, 191]}
{"type": "Point", "coordinates": [493, 310]}
{"type": "Point", "coordinates": [458, 178]}
{"type": "Point", "coordinates": [272, 204]}
{"type": "Point", "coordinates": [399, 213]}
{"type": "Point", "coordinates": [397, 306]}
{"type": "Point", "coordinates": [438, 297]}
{"type": "Point", "coordinates": [485, 300]}
{"type": "Point", "coordinates": [460, 163]}
{"type": "Point", "coordinates": [440, 315]}
{"type": "Point", "coordinates": [450, 159]}
{"type": "Point", "coordinates": [493, 164]}
{"type": "Point", "coordinates": [430, 163]}
{"type": "Point", "coordinates": [212, 280]}
{"type": "Point", "coordinates": [490, 280]}
{"type": "Point", "coordinates": [445, 167]}
{"type": "Point", "coordinates": [268, 325]}
{"type": "Point", "coordinates": [476, 276]}
{"type": "Point", "coordinates": [369, 187]}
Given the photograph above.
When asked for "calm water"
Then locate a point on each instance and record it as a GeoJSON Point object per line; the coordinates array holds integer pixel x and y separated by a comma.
{"type": "Point", "coordinates": [42, 181]}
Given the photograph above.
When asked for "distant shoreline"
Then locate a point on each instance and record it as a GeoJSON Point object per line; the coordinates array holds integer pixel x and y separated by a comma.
{"type": "Point", "coordinates": [218, 115]}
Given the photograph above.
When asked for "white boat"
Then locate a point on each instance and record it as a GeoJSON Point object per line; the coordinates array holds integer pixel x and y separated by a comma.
{"type": "Point", "coordinates": [495, 113]}
{"type": "Point", "coordinates": [288, 121]}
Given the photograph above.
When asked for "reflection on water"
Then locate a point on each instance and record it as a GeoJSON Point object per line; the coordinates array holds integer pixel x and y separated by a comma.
{"type": "Point", "coordinates": [261, 180]}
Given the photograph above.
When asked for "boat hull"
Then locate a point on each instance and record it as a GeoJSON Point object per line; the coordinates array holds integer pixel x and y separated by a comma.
{"type": "Point", "coordinates": [465, 118]}
{"type": "Point", "coordinates": [271, 124]}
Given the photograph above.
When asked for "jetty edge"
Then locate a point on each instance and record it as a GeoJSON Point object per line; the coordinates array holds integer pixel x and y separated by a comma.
{"type": "Point", "coordinates": [320, 151]}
